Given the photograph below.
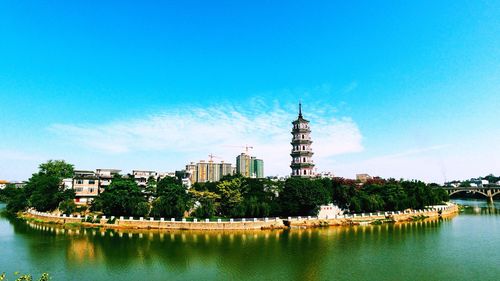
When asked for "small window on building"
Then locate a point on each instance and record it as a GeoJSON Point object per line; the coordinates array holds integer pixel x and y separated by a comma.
{"type": "Point", "coordinates": [302, 136]}
{"type": "Point", "coordinates": [91, 190]}
{"type": "Point", "coordinates": [304, 159]}
{"type": "Point", "coordinates": [303, 147]}
{"type": "Point", "coordinates": [304, 172]}
{"type": "Point", "coordinates": [79, 181]}
{"type": "Point", "coordinates": [91, 181]}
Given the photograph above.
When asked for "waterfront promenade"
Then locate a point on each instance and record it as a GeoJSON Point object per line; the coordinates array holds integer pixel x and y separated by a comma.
{"type": "Point", "coordinates": [242, 223]}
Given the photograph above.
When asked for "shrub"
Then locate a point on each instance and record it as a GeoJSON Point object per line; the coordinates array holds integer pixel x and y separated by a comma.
{"type": "Point", "coordinates": [67, 206]}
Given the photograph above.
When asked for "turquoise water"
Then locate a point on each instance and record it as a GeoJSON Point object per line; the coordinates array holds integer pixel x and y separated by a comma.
{"type": "Point", "coordinates": [466, 247]}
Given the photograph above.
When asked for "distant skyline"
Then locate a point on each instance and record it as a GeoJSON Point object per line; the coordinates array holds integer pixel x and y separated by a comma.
{"type": "Point", "coordinates": [402, 90]}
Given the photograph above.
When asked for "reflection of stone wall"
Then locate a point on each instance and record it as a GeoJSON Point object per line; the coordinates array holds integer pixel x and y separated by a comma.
{"type": "Point", "coordinates": [199, 225]}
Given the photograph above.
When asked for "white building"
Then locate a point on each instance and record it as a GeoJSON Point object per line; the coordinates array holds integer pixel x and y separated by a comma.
{"type": "Point", "coordinates": [141, 177]}
{"type": "Point", "coordinates": [329, 211]}
{"type": "Point", "coordinates": [68, 183]}
{"type": "Point", "coordinates": [3, 184]}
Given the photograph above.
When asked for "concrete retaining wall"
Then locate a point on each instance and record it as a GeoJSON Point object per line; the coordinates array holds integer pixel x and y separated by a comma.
{"type": "Point", "coordinates": [142, 223]}
{"type": "Point", "coordinates": [263, 223]}
{"type": "Point", "coordinates": [367, 218]}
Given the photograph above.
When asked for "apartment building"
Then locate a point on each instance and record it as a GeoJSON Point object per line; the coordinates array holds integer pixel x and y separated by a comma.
{"type": "Point", "coordinates": [141, 177]}
{"type": "Point", "coordinates": [86, 186]}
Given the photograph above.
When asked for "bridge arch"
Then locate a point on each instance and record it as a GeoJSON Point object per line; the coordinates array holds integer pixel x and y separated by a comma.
{"type": "Point", "coordinates": [495, 194]}
{"type": "Point", "coordinates": [465, 190]}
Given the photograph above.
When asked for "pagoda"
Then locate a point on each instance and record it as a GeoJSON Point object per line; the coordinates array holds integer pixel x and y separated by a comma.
{"type": "Point", "coordinates": [302, 164]}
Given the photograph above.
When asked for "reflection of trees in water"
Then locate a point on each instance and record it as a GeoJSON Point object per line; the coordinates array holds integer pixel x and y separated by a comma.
{"type": "Point", "coordinates": [232, 254]}
{"type": "Point", "coordinates": [301, 254]}
{"type": "Point", "coordinates": [491, 209]}
{"type": "Point", "coordinates": [480, 207]}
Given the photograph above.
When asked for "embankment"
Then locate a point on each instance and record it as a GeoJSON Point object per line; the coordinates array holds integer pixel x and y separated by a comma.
{"type": "Point", "coordinates": [245, 224]}
{"type": "Point", "coordinates": [141, 223]}
{"type": "Point", "coordinates": [375, 218]}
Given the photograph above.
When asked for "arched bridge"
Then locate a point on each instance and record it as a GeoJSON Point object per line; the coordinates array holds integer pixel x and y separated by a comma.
{"type": "Point", "coordinates": [488, 192]}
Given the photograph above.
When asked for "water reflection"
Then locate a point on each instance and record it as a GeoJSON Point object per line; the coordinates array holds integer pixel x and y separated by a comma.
{"type": "Point", "coordinates": [304, 251]}
{"type": "Point", "coordinates": [479, 207]}
{"type": "Point", "coordinates": [343, 253]}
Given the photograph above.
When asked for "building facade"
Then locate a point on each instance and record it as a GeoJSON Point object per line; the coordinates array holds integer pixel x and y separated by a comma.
{"type": "Point", "coordinates": [207, 171]}
{"type": "Point", "coordinates": [302, 164]}
{"type": "Point", "coordinates": [141, 177]}
{"type": "Point", "coordinates": [86, 186]}
{"type": "Point", "coordinates": [363, 177]}
{"type": "Point", "coordinates": [249, 166]}
{"type": "Point", "coordinates": [258, 168]}
{"type": "Point", "coordinates": [105, 176]}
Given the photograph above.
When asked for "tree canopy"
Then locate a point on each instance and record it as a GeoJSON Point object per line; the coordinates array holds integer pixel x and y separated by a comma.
{"type": "Point", "coordinates": [44, 190]}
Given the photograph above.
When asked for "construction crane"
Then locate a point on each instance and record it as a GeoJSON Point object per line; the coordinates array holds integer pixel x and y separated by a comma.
{"type": "Point", "coordinates": [211, 156]}
{"type": "Point", "coordinates": [246, 147]}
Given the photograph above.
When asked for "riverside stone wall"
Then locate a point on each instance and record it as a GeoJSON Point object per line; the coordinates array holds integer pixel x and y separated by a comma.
{"type": "Point", "coordinates": [248, 224]}
{"type": "Point", "coordinates": [367, 218]}
{"type": "Point", "coordinates": [142, 223]}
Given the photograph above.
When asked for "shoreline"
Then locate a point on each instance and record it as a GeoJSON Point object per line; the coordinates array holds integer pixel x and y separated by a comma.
{"type": "Point", "coordinates": [448, 210]}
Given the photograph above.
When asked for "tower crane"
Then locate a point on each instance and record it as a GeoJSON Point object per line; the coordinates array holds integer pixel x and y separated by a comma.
{"type": "Point", "coordinates": [211, 156]}
{"type": "Point", "coordinates": [246, 147]}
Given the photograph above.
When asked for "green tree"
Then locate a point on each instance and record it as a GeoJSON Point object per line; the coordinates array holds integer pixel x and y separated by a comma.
{"type": "Point", "coordinates": [121, 198]}
{"type": "Point", "coordinates": [67, 206]}
{"type": "Point", "coordinates": [16, 198]}
{"type": "Point", "coordinates": [302, 196]}
{"type": "Point", "coordinates": [206, 204]}
{"type": "Point", "coordinates": [230, 197]}
{"type": "Point", "coordinates": [57, 168]}
{"type": "Point", "coordinates": [142, 209]}
{"type": "Point", "coordinates": [172, 199]}
{"type": "Point", "coordinates": [46, 192]}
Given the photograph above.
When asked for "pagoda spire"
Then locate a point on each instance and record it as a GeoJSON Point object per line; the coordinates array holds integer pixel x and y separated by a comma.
{"type": "Point", "coordinates": [302, 164]}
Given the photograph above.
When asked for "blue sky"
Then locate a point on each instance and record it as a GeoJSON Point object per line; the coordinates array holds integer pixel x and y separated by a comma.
{"type": "Point", "coordinates": [397, 89]}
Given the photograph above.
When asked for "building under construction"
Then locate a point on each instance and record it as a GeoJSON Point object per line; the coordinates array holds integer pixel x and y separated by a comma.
{"type": "Point", "coordinates": [249, 166]}
{"type": "Point", "coordinates": [208, 171]}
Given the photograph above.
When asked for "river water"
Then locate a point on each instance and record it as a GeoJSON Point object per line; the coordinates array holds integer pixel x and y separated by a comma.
{"type": "Point", "coordinates": [466, 247]}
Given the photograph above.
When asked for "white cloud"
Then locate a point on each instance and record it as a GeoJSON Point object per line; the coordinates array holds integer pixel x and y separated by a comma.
{"type": "Point", "coordinates": [16, 155]}
{"type": "Point", "coordinates": [200, 131]}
